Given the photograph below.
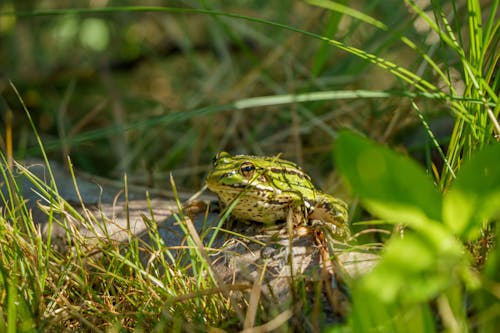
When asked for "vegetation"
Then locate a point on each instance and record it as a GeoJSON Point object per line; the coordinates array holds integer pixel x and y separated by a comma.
{"type": "Point", "coordinates": [149, 91]}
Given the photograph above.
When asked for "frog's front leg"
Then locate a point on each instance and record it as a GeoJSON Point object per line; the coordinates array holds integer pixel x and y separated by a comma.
{"type": "Point", "coordinates": [331, 213]}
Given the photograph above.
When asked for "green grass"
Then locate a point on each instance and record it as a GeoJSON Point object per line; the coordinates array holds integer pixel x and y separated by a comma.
{"type": "Point", "coordinates": [263, 79]}
{"type": "Point", "coordinates": [53, 291]}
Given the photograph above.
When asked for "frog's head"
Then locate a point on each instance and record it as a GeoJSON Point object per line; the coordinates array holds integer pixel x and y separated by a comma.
{"type": "Point", "coordinates": [236, 171]}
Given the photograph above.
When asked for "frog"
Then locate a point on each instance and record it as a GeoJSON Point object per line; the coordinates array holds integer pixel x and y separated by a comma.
{"type": "Point", "coordinates": [267, 189]}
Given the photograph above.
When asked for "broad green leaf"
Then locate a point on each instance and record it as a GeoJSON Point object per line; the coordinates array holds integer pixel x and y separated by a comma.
{"type": "Point", "coordinates": [371, 315]}
{"type": "Point", "coordinates": [404, 261]}
{"type": "Point", "coordinates": [391, 185]}
{"type": "Point", "coordinates": [413, 269]}
{"type": "Point", "coordinates": [474, 198]}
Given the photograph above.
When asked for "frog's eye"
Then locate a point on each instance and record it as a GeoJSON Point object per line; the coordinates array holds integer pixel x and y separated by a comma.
{"type": "Point", "coordinates": [247, 169]}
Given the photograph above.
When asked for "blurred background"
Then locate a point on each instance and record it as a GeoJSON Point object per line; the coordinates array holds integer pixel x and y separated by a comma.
{"type": "Point", "coordinates": [152, 92]}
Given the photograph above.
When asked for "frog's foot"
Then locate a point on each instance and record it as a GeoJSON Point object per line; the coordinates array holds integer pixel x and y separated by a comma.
{"type": "Point", "coordinates": [332, 232]}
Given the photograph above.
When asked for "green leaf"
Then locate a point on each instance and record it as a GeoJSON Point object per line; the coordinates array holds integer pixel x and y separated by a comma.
{"type": "Point", "coordinates": [404, 261]}
{"type": "Point", "coordinates": [370, 313]}
{"type": "Point", "coordinates": [474, 198]}
{"type": "Point", "coordinates": [390, 185]}
{"type": "Point", "coordinates": [413, 269]}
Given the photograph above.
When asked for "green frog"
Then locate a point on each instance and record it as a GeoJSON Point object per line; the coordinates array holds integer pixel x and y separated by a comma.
{"type": "Point", "coordinates": [265, 189]}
